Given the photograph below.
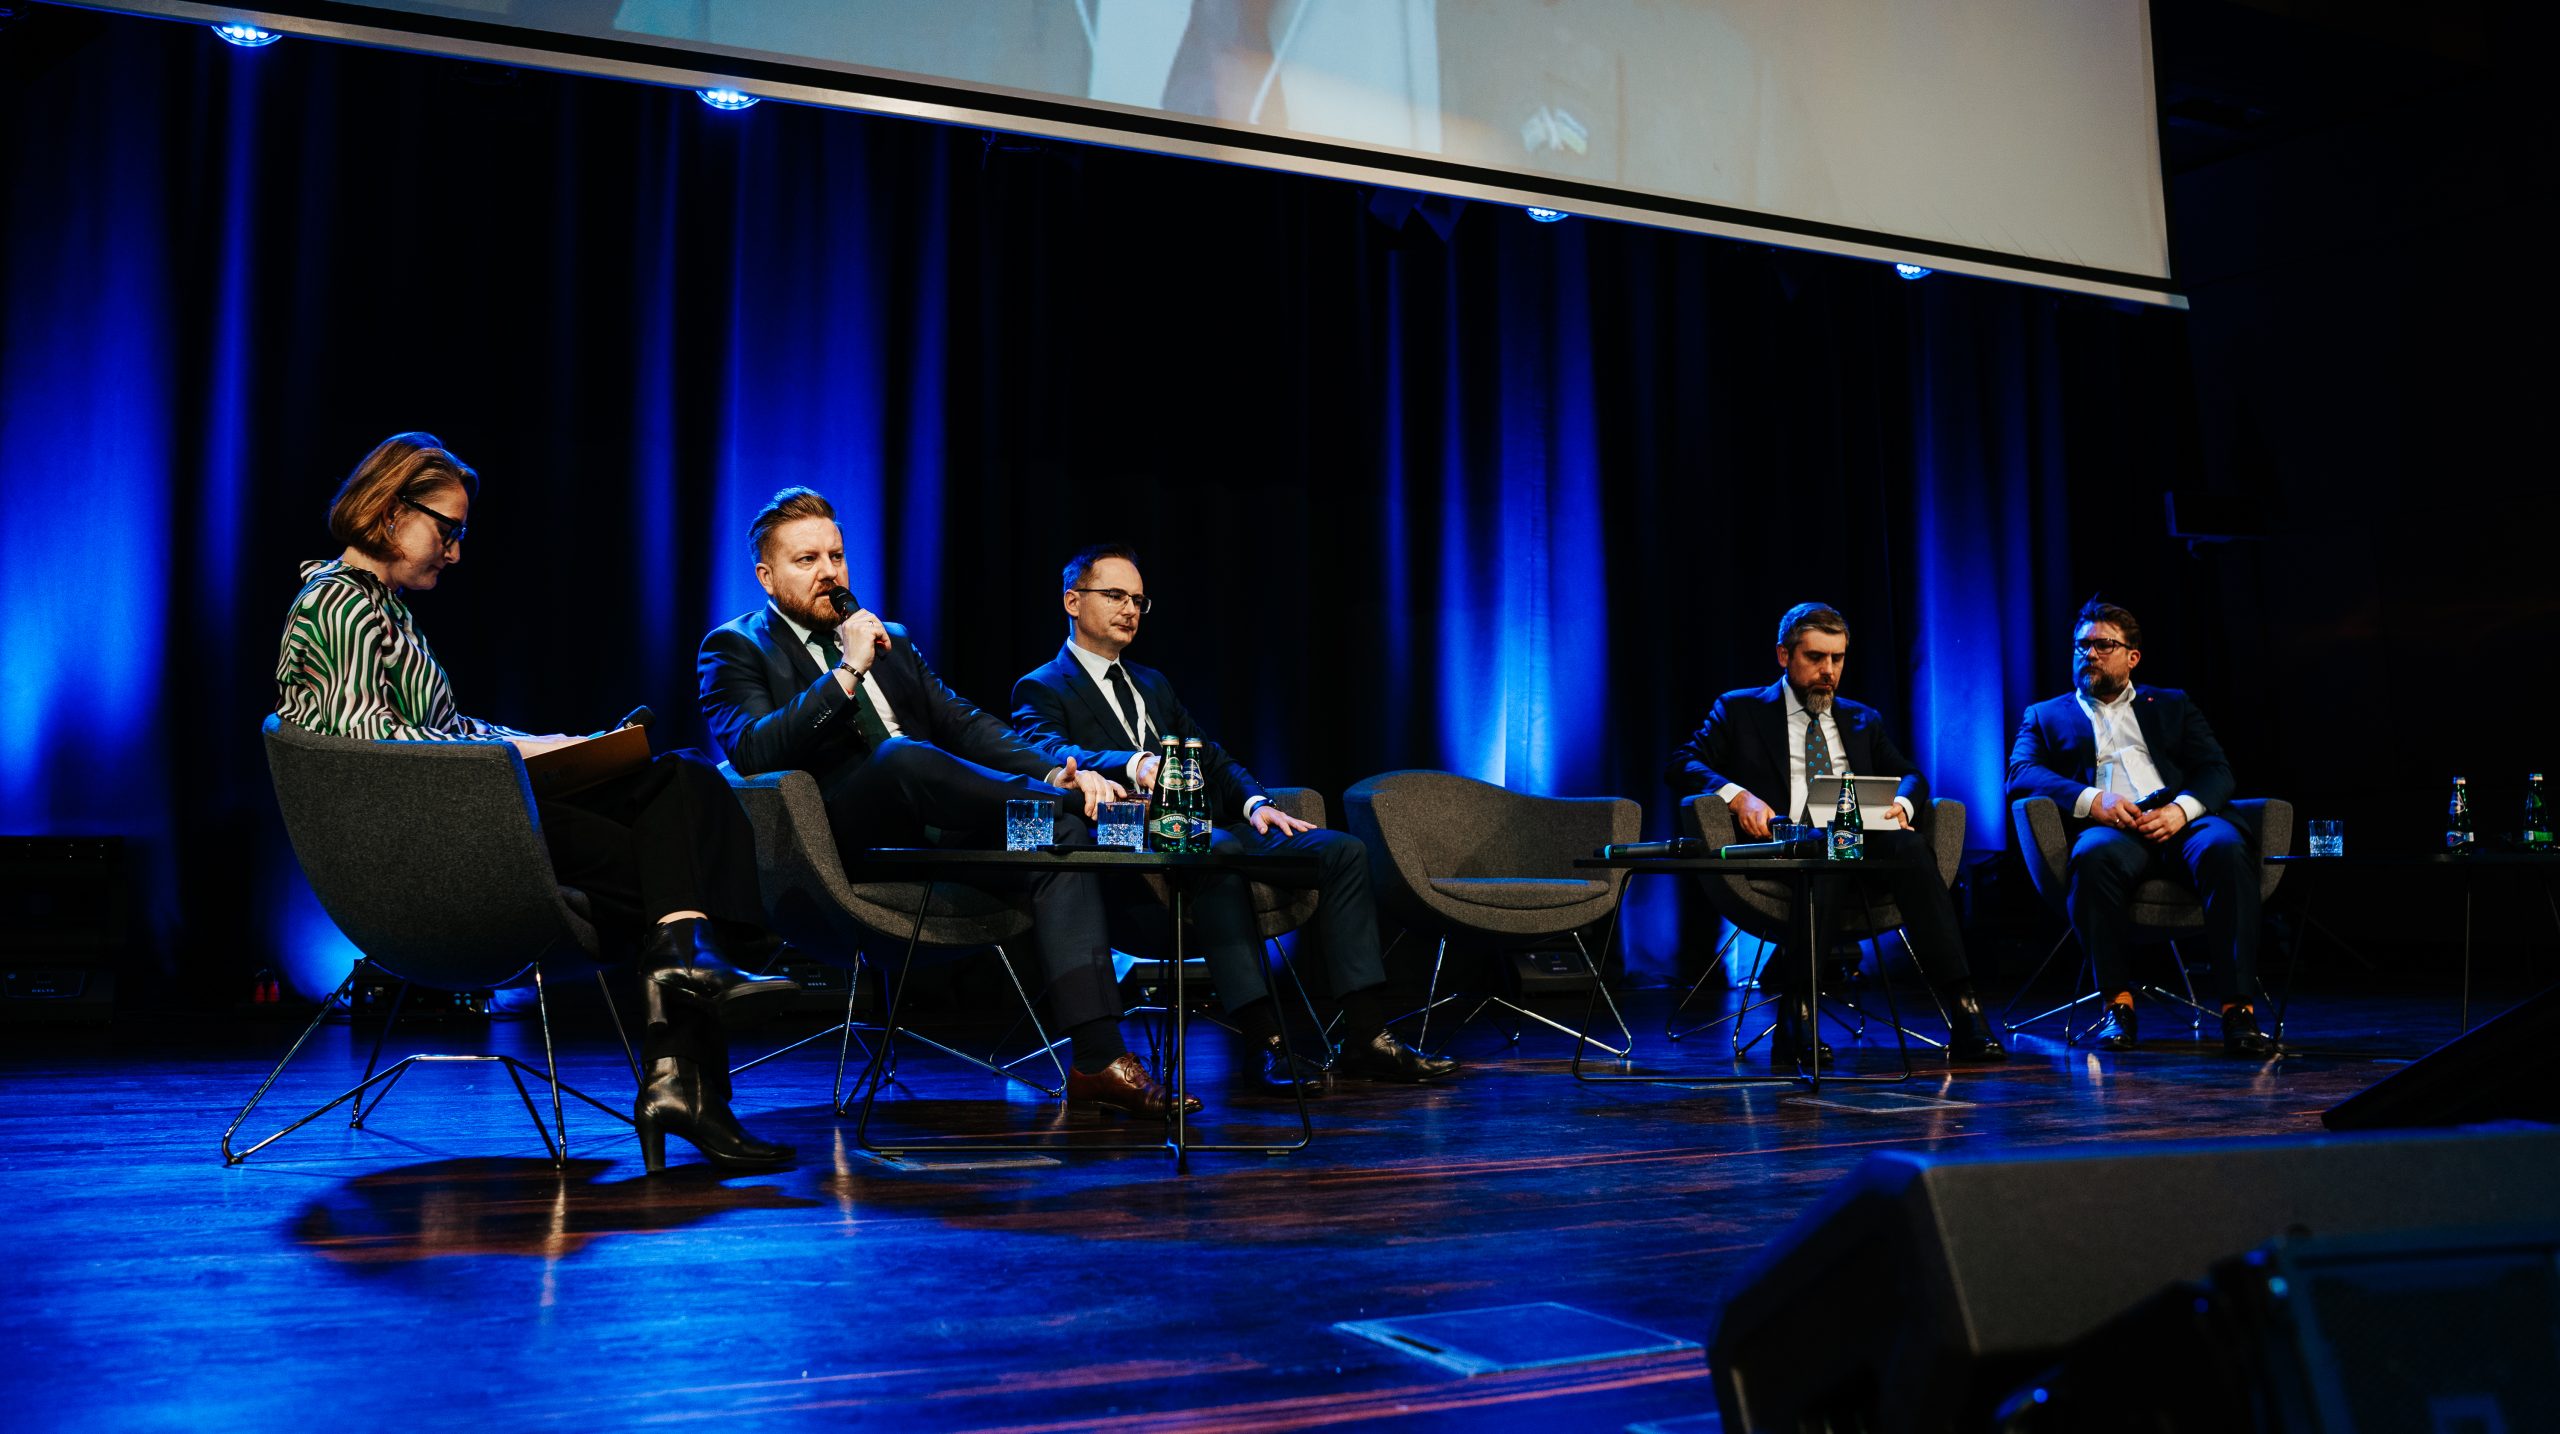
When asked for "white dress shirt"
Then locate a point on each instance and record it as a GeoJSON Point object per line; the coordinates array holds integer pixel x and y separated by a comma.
{"type": "Point", "coordinates": [862, 691]}
{"type": "Point", "coordinates": [1797, 785]}
{"type": "Point", "coordinates": [1098, 667]}
{"type": "Point", "coordinates": [2124, 758]}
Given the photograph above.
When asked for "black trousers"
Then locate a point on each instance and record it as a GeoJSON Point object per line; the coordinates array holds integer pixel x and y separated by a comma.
{"type": "Point", "coordinates": [2213, 852]}
{"type": "Point", "coordinates": [668, 837]}
{"type": "Point", "coordinates": [1225, 934]}
{"type": "Point", "coordinates": [909, 792]}
{"type": "Point", "coordinates": [1928, 914]}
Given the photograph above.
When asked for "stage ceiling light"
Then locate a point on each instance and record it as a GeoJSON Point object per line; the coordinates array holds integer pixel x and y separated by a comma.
{"type": "Point", "coordinates": [247, 37]}
{"type": "Point", "coordinates": [1545, 216]}
{"type": "Point", "coordinates": [1911, 271]}
{"type": "Point", "coordinates": [726, 99]}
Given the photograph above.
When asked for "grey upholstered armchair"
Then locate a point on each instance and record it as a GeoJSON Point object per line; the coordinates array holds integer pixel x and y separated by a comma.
{"type": "Point", "coordinates": [1764, 906]}
{"type": "Point", "coordinates": [811, 902]}
{"type": "Point", "coordinates": [1450, 855]}
{"type": "Point", "coordinates": [427, 855]}
{"type": "Point", "coordinates": [2163, 906]}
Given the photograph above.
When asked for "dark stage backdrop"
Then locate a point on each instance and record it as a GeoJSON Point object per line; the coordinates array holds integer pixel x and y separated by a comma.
{"type": "Point", "coordinates": [1414, 488]}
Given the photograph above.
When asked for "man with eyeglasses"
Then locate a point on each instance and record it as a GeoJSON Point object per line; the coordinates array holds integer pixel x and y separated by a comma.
{"type": "Point", "coordinates": [2149, 794]}
{"type": "Point", "coordinates": [1093, 707]}
{"type": "Point", "coordinates": [1762, 746]}
{"type": "Point", "coordinates": [897, 755]}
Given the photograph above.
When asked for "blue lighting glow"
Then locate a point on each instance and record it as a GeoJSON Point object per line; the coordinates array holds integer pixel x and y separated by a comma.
{"type": "Point", "coordinates": [247, 37]}
{"type": "Point", "coordinates": [1911, 271]}
{"type": "Point", "coordinates": [726, 99]}
{"type": "Point", "coordinates": [1546, 216]}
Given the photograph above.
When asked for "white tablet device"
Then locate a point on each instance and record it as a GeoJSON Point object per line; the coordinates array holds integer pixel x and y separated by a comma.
{"type": "Point", "coordinates": [1822, 798]}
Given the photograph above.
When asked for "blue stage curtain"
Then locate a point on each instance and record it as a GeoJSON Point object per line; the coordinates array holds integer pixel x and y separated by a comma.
{"type": "Point", "coordinates": [1425, 486]}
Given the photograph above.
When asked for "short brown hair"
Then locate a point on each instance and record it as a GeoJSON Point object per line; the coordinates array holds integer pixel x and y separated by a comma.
{"type": "Point", "coordinates": [410, 466]}
{"type": "Point", "coordinates": [1819, 616]}
{"type": "Point", "coordinates": [788, 506]}
{"type": "Point", "coordinates": [2100, 610]}
{"type": "Point", "coordinates": [1080, 567]}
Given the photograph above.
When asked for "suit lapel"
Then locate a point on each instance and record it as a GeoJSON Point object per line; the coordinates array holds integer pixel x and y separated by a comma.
{"type": "Point", "coordinates": [783, 647]}
{"type": "Point", "coordinates": [1773, 731]}
{"type": "Point", "coordinates": [1099, 709]}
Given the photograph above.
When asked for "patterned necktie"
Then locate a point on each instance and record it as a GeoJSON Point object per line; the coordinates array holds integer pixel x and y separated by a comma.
{"type": "Point", "coordinates": [1128, 700]}
{"type": "Point", "coordinates": [866, 719]}
{"type": "Point", "coordinates": [1817, 758]}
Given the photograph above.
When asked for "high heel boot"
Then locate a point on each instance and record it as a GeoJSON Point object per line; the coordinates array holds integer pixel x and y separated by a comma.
{"type": "Point", "coordinates": [674, 1101]}
{"type": "Point", "coordinates": [683, 958]}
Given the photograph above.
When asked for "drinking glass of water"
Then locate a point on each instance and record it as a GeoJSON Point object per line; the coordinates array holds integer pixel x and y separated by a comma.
{"type": "Point", "coordinates": [1122, 824]}
{"type": "Point", "coordinates": [2329, 838]}
{"type": "Point", "coordinates": [1030, 823]}
{"type": "Point", "coordinates": [1783, 830]}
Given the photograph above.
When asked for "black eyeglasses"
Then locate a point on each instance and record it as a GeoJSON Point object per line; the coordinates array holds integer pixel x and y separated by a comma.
{"type": "Point", "coordinates": [453, 532]}
{"type": "Point", "coordinates": [1118, 597]}
{"type": "Point", "coordinates": [2099, 646]}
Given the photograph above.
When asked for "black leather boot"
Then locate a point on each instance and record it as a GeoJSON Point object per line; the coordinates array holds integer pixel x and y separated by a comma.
{"type": "Point", "coordinates": [1799, 1030]}
{"type": "Point", "coordinates": [682, 958]}
{"type": "Point", "coordinates": [1969, 1036]}
{"type": "Point", "coordinates": [675, 1099]}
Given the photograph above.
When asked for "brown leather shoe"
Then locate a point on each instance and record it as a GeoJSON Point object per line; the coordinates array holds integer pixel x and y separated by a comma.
{"type": "Point", "coordinates": [1124, 1086]}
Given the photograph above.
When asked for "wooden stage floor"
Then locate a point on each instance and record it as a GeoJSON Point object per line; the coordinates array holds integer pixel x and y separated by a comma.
{"type": "Point", "coordinates": [433, 1271]}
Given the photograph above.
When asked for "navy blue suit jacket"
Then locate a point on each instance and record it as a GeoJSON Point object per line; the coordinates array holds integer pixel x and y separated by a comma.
{"type": "Point", "coordinates": [2056, 751]}
{"type": "Point", "coordinates": [770, 709]}
{"type": "Point", "coordinates": [1058, 707]}
{"type": "Point", "coordinates": [1744, 741]}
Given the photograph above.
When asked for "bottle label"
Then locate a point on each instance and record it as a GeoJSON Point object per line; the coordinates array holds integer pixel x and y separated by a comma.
{"type": "Point", "coordinates": [1847, 843]}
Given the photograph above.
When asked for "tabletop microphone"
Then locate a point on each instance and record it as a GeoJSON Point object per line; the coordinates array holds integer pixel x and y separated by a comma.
{"type": "Point", "coordinates": [1676, 846]}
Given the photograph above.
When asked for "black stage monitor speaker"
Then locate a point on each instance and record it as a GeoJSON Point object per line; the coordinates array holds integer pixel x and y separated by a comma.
{"type": "Point", "coordinates": [1920, 1289]}
{"type": "Point", "coordinates": [2361, 1335]}
{"type": "Point", "coordinates": [2507, 1068]}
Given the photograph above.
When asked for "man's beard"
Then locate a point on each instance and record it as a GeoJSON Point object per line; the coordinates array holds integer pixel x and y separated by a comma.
{"type": "Point", "coordinates": [819, 613]}
{"type": "Point", "coordinates": [2103, 687]}
{"type": "Point", "coordinates": [1814, 701]}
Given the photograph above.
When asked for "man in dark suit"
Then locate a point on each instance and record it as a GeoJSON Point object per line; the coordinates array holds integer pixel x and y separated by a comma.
{"type": "Point", "coordinates": [2140, 775]}
{"type": "Point", "coordinates": [851, 701]}
{"type": "Point", "coordinates": [1093, 707]}
{"type": "Point", "coordinates": [1759, 749]}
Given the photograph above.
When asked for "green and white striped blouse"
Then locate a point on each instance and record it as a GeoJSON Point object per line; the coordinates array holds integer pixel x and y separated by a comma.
{"type": "Point", "coordinates": [353, 664]}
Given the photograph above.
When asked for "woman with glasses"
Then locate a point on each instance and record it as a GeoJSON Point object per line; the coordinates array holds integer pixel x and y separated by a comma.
{"type": "Point", "coordinates": [664, 855]}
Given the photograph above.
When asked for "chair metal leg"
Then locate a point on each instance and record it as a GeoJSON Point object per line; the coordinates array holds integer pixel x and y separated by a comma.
{"type": "Point", "coordinates": [355, 1114]}
{"type": "Point", "coordinates": [1271, 948]}
{"type": "Point", "coordinates": [379, 1082]}
{"type": "Point", "coordinates": [1715, 963]}
{"type": "Point", "coordinates": [1431, 998]}
{"type": "Point", "coordinates": [621, 1032]}
{"type": "Point", "coordinates": [2013, 1027]}
{"type": "Point", "coordinates": [550, 1070]}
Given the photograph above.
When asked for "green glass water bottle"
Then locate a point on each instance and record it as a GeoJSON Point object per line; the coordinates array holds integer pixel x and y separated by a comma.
{"type": "Point", "coordinates": [2537, 815]}
{"type": "Point", "coordinates": [1166, 826]}
{"type": "Point", "coordinates": [1195, 787]}
{"type": "Point", "coordinates": [1848, 827]}
{"type": "Point", "coordinates": [2458, 838]}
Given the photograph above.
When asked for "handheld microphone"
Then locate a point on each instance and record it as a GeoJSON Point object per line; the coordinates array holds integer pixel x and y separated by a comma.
{"type": "Point", "coordinates": [1676, 847]}
{"type": "Point", "coordinates": [846, 604]}
{"type": "Point", "coordinates": [636, 717]}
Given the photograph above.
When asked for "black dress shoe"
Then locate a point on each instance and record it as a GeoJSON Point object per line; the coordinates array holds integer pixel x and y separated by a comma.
{"type": "Point", "coordinates": [1285, 1074]}
{"type": "Point", "coordinates": [676, 1100]}
{"type": "Point", "coordinates": [1384, 1058]}
{"type": "Point", "coordinates": [1124, 1086]}
{"type": "Point", "coordinates": [1969, 1036]}
{"type": "Point", "coordinates": [1797, 1031]}
{"type": "Point", "coordinates": [682, 958]}
{"type": "Point", "coordinates": [2116, 1032]}
{"type": "Point", "coordinates": [2241, 1036]}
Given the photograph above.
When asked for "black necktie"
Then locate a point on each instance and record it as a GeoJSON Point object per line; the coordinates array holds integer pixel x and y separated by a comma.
{"type": "Point", "coordinates": [866, 720]}
{"type": "Point", "coordinates": [1128, 701]}
{"type": "Point", "coordinates": [1817, 755]}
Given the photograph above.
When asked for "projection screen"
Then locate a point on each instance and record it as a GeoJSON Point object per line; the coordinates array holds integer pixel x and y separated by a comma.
{"type": "Point", "coordinates": [2013, 139]}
